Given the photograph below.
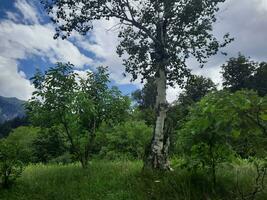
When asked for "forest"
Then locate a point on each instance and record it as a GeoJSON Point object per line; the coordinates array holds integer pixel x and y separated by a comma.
{"type": "Point", "coordinates": [81, 138]}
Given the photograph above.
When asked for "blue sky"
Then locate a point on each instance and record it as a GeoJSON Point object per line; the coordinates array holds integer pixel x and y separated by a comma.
{"type": "Point", "coordinates": [31, 40]}
{"type": "Point", "coordinates": [26, 43]}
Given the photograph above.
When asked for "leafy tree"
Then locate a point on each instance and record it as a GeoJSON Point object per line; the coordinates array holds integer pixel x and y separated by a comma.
{"type": "Point", "coordinates": [203, 138]}
{"type": "Point", "coordinates": [158, 37]}
{"type": "Point", "coordinates": [76, 106]}
{"type": "Point", "coordinates": [146, 98]}
{"type": "Point", "coordinates": [237, 73]}
{"type": "Point", "coordinates": [259, 80]}
{"type": "Point", "coordinates": [251, 111]}
{"type": "Point", "coordinates": [196, 88]}
{"type": "Point", "coordinates": [24, 137]}
{"type": "Point", "coordinates": [11, 166]}
{"type": "Point", "coordinates": [15, 152]}
{"type": "Point", "coordinates": [126, 140]}
{"type": "Point", "coordinates": [218, 120]}
{"type": "Point", "coordinates": [48, 145]}
{"type": "Point", "coordinates": [243, 73]}
{"type": "Point", "coordinates": [146, 101]}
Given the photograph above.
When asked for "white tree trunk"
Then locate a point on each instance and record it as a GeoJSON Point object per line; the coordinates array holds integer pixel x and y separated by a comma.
{"type": "Point", "coordinates": [157, 156]}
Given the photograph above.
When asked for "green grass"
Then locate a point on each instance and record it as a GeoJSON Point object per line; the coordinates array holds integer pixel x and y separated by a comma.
{"type": "Point", "coordinates": [105, 180]}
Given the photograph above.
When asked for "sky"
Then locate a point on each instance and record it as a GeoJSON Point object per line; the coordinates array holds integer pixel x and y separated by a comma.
{"type": "Point", "coordinates": [27, 44]}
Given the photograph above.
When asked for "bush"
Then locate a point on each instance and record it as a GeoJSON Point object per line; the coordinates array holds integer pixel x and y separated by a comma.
{"type": "Point", "coordinates": [217, 124]}
{"type": "Point", "coordinates": [48, 145]}
{"type": "Point", "coordinates": [11, 164]}
{"type": "Point", "coordinates": [24, 137]}
{"type": "Point", "coordinates": [15, 152]}
{"type": "Point", "coordinates": [127, 140]}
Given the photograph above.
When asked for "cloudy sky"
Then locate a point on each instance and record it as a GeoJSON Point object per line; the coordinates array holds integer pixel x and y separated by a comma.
{"type": "Point", "coordinates": [27, 44]}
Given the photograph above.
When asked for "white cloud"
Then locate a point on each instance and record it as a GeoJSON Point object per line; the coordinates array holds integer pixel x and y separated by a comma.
{"type": "Point", "coordinates": [21, 41]}
{"type": "Point", "coordinates": [28, 11]}
{"type": "Point", "coordinates": [18, 41]}
{"type": "Point", "coordinates": [103, 43]}
{"type": "Point", "coordinates": [173, 93]}
{"type": "Point", "coordinates": [12, 82]}
{"type": "Point", "coordinates": [243, 19]}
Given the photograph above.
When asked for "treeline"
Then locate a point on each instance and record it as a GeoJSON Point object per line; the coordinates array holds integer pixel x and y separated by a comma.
{"type": "Point", "coordinates": [76, 118]}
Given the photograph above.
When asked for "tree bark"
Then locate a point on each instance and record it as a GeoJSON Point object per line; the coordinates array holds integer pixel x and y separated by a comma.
{"type": "Point", "coordinates": [157, 151]}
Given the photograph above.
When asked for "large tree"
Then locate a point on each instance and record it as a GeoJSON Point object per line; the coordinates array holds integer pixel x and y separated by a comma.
{"type": "Point", "coordinates": [157, 35]}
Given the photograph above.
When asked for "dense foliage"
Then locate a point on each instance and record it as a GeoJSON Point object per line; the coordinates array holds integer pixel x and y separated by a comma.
{"type": "Point", "coordinates": [217, 138]}
{"type": "Point", "coordinates": [243, 73]}
{"type": "Point", "coordinates": [222, 125]}
{"type": "Point", "coordinates": [76, 106]}
{"type": "Point", "coordinates": [11, 165]}
{"type": "Point", "coordinates": [48, 145]}
{"type": "Point", "coordinates": [125, 141]}
{"type": "Point", "coordinates": [158, 38]}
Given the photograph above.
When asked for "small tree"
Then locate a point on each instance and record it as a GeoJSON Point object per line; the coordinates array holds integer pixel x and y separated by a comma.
{"type": "Point", "coordinates": [77, 106]}
{"type": "Point", "coordinates": [203, 138]}
{"type": "Point", "coordinates": [216, 121]}
{"type": "Point", "coordinates": [251, 110]}
{"type": "Point", "coordinates": [11, 164]}
{"type": "Point", "coordinates": [195, 88]}
{"type": "Point", "coordinates": [24, 137]}
{"type": "Point", "coordinates": [146, 98]}
{"type": "Point", "coordinates": [158, 37]}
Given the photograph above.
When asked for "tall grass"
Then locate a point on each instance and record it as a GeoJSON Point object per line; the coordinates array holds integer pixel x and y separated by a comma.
{"type": "Point", "coordinates": [123, 180]}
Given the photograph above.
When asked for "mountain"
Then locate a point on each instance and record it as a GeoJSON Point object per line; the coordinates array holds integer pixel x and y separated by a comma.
{"type": "Point", "coordinates": [11, 108]}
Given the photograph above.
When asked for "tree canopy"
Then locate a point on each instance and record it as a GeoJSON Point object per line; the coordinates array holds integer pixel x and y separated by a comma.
{"type": "Point", "coordinates": [157, 36]}
{"type": "Point", "coordinates": [76, 106]}
{"type": "Point", "coordinates": [149, 31]}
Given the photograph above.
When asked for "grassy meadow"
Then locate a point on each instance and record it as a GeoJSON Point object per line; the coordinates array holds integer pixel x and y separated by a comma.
{"type": "Point", "coordinates": [122, 180]}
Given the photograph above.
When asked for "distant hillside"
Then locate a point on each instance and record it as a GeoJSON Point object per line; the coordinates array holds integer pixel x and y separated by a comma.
{"type": "Point", "coordinates": [11, 108]}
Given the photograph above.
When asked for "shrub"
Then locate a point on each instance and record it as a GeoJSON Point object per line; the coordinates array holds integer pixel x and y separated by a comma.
{"type": "Point", "coordinates": [48, 145]}
{"type": "Point", "coordinates": [11, 166]}
{"type": "Point", "coordinates": [24, 137]}
{"type": "Point", "coordinates": [217, 121]}
{"type": "Point", "coordinates": [127, 140]}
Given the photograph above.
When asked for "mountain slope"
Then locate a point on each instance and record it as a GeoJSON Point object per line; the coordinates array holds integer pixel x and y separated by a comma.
{"type": "Point", "coordinates": [11, 108]}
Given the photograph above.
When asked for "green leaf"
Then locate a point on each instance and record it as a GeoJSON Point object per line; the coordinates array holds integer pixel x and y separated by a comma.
{"type": "Point", "coordinates": [263, 117]}
{"type": "Point", "coordinates": [236, 133]}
